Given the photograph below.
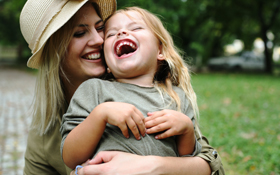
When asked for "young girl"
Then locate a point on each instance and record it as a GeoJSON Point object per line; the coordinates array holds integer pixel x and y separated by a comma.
{"type": "Point", "coordinates": [148, 73]}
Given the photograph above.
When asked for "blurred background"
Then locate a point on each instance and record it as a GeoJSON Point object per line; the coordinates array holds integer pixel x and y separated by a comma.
{"type": "Point", "coordinates": [233, 48]}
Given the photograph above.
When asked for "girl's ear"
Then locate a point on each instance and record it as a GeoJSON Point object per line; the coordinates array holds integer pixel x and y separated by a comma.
{"type": "Point", "coordinates": [160, 56]}
{"type": "Point", "coordinates": [108, 70]}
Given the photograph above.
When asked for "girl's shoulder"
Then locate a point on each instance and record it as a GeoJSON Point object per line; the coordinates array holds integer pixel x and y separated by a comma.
{"type": "Point", "coordinates": [96, 81]}
{"type": "Point", "coordinates": [178, 90]}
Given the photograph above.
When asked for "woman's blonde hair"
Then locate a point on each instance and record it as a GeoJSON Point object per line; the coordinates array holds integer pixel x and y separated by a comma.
{"type": "Point", "coordinates": [49, 103]}
{"type": "Point", "coordinates": [173, 70]}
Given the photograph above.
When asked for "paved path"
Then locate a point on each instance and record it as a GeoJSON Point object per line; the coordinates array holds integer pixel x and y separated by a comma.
{"type": "Point", "coordinates": [16, 94]}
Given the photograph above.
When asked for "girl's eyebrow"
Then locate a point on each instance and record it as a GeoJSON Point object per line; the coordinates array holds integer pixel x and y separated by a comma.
{"type": "Point", "coordinates": [116, 28]}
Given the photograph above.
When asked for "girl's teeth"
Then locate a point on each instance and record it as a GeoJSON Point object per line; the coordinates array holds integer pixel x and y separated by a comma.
{"type": "Point", "coordinates": [125, 43]}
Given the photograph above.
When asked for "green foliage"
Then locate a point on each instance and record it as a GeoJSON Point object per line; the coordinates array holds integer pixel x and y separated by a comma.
{"type": "Point", "coordinates": [9, 26]}
{"type": "Point", "coordinates": [10, 33]}
{"type": "Point", "coordinates": [203, 27]}
{"type": "Point", "coordinates": [240, 117]}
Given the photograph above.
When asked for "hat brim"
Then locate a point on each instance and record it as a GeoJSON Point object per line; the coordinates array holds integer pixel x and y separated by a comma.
{"type": "Point", "coordinates": [106, 9]}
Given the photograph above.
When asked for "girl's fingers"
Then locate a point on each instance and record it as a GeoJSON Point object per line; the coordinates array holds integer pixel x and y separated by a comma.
{"type": "Point", "coordinates": [139, 119]}
{"type": "Point", "coordinates": [158, 128]}
{"type": "Point", "coordinates": [154, 115]}
{"type": "Point", "coordinates": [154, 122]}
{"type": "Point", "coordinates": [133, 127]}
{"type": "Point", "coordinates": [166, 134]}
{"type": "Point", "coordinates": [124, 129]}
{"type": "Point", "coordinates": [135, 123]}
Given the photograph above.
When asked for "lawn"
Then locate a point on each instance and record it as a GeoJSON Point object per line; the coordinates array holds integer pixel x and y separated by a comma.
{"type": "Point", "coordinates": [240, 115]}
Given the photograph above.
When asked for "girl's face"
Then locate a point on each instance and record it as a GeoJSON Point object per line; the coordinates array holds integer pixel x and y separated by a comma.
{"type": "Point", "coordinates": [84, 58]}
{"type": "Point", "coordinates": [131, 49]}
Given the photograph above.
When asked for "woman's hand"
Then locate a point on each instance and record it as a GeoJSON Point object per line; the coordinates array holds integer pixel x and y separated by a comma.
{"type": "Point", "coordinates": [169, 122]}
{"type": "Point", "coordinates": [114, 162]}
{"type": "Point", "coordinates": [124, 116]}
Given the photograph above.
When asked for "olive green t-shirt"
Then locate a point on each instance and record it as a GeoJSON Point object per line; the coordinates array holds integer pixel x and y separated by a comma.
{"type": "Point", "coordinates": [42, 155]}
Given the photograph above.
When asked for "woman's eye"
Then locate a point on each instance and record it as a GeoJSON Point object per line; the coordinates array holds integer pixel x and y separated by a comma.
{"type": "Point", "coordinates": [79, 34]}
{"type": "Point", "coordinates": [100, 28]}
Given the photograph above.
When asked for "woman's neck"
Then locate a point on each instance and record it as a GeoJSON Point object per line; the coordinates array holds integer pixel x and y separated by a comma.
{"type": "Point", "coordinates": [69, 89]}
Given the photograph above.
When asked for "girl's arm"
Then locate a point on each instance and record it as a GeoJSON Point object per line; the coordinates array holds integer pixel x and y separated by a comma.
{"type": "Point", "coordinates": [81, 142]}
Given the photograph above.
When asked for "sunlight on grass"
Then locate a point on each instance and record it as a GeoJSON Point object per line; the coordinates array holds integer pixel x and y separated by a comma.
{"type": "Point", "coordinates": [240, 115]}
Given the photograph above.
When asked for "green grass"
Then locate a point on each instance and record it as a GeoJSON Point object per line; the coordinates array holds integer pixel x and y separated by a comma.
{"type": "Point", "coordinates": [240, 115]}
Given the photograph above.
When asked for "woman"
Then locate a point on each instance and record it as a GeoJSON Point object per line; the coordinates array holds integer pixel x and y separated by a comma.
{"type": "Point", "coordinates": [64, 60]}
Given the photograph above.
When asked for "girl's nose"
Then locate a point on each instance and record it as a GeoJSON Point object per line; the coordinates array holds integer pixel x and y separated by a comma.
{"type": "Point", "coordinates": [122, 33]}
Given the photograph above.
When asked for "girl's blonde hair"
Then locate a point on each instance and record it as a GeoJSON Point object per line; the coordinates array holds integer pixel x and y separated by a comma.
{"type": "Point", "coordinates": [173, 70]}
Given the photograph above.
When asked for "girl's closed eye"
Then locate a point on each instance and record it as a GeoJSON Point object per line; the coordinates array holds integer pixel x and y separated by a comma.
{"type": "Point", "coordinates": [110, 35]}
{"type": "Point", "coordinates": [137, 28]}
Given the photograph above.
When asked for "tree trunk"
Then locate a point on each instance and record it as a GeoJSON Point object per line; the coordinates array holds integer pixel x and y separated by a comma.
{"type": "Point", "coordinates": [267, 53]}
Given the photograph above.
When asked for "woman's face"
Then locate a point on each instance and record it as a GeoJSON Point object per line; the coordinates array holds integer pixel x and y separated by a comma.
{"type": "Point", "coordinates": [84, 58]}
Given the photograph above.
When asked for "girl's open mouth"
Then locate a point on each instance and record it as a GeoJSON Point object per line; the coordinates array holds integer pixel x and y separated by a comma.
{"type": "Point", "coordinates": [125, 47]}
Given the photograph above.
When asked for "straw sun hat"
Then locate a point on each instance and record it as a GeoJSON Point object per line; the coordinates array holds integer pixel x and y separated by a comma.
{"type": "Point", "coordinates": [39, 19]}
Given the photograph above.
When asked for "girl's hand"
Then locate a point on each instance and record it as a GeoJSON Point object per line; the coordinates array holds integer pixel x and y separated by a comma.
{"type": "Point", "coordinates": [169, 122]}
{"type": "Point", "coordinates": [124, 116]}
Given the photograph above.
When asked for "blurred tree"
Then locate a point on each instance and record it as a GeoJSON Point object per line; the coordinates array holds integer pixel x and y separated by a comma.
{"type": "Point", "coordinates": [201, 28]}
{"type": "Point", "coordinates": [9, 26]}
{"type": "Point", "coordinates": [268, 17]}
{"type": "Point", "coordinates": [251, 19]}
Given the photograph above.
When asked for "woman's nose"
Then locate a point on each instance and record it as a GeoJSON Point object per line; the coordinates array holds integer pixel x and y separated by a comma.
{"type": "Point", "coordinates": [96, 38]}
